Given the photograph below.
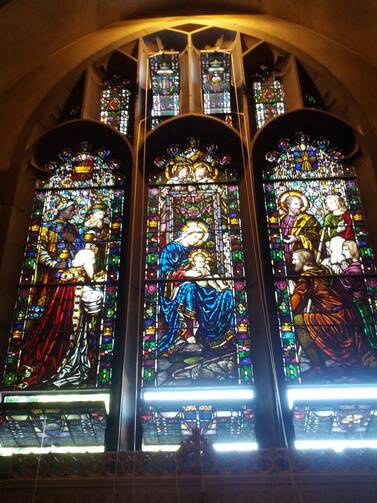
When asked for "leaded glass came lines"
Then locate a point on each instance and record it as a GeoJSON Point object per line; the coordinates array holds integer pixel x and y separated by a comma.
{"type": "Point", "coordinates": [165, 84]}
{"type": "Point", "coordinates": [63, 331]}
{"type": "Point", "coordinates": [324, 272]}
{"type": "Point", "coordinates": [268, 96]}
{"type": "Point", "coordinates": [115, 103]}
{"type": "Point", "coordinates": [196, 328]}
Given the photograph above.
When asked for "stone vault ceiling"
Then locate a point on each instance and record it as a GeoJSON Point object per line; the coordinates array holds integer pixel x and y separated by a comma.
{"type": "Point", "coordinates": [31, 30]}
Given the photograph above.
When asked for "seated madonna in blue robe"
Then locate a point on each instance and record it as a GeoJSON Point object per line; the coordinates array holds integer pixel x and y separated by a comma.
{"type": "Point", "coordinates": [182, 302]}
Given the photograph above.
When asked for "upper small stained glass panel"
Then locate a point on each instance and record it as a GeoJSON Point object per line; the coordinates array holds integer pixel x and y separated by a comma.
{"type": "Point", "coordinates": [115, 103]}
{"type": "Point", "coordinates": [165, 83]}
{"type": "Point", "coordinates": [268, 95]}
{"type": "Point", "coordinates": [216, 82]}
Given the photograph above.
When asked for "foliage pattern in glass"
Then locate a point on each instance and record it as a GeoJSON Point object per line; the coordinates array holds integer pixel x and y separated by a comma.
{"type": "Point", "coordinates": [115, 103]}
{"type": "Point", "coordinates": [268, 96]}
{"type": "Point", "coordinates": [324, 274]}
{"type": "Point", "coordinates": [63, 331]}
{"type": "Point", "coordinates": [196, 327]}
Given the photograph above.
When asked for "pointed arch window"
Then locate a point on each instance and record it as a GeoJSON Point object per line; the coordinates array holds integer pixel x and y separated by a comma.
{"type": "Point", "coordinates": [63, 332]}
{"type": "Point", "coordinates": [196, 326]}
{"type": "Point", "coordinates": [268, 96]}
{"type": "Point", "coordinates": [324, 273]}
{"type": "Point", "coordinates": [115, 103]}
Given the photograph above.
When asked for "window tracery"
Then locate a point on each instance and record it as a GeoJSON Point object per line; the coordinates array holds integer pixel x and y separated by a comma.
{"type": "Point", "coordinates": [196, 317]}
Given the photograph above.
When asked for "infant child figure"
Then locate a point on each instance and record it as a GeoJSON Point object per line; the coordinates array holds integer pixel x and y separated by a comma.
{"type": "Point", "coordinates": [199, 262]}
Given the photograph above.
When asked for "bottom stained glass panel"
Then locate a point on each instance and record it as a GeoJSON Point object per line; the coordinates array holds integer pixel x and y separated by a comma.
{"type": "Point", "coordinates": [334, 421]}
{"type": "Point", "coordinates": [164, 425]}
{"type": "Point", "coordinates": [46, 425]}
{"type": "Point", "coordinates": [332, 338]}
{"type": "Point", "coordinates": [207, 340]}
{"type": "Point", "coordinates": [65, 341]}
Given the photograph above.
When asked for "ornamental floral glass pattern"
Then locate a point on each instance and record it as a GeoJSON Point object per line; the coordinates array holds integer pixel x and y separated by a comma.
{"type": "Point", "coordinates": [325, 282]}
{"type": "Point", "coordinates": [165, 83]}
{"type": "Point", "coordinates": [196, 328]}
{"type": "Point", "coordinates": [115, 103]}
{"type": "Point", "coordinates": [268, 96]}
{"type": "Point", "coordinates": [63, 332]}
{"type": "Point", "coordinates": [216, 82]}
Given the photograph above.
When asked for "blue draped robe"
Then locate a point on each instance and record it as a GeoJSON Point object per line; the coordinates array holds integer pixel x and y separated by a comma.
{"type": "Point", "coordinates": [182, 301]}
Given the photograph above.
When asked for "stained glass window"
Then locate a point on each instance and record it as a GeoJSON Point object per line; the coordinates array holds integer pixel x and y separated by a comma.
{"type": "Point", "coordinates": [195, 279]}
{"type": "Point", "coordinates": [216, 83]}
{"type": "Point", "coordinates": [165, 83]}
{"type": "Point", "coordinates": [196, 326]}
{"type": "Point", "coordinates": [167, 425]}
{"type": "Point", "coordinates": [63, 331]}
{"type": "Point", "coordinates": [52, 427]}
{"type": "Point", "coordinates": [334, 421]}
{"type": "Point", "coordinates": [115, 103]}
{"type": "Point", "coordinates": [268, 96]}
{"type": "Point", "coordinates": [325, 282]}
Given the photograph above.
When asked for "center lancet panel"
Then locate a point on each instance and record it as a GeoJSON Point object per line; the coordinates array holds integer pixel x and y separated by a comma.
{"type": "Point", "coordinates": [196, 330]}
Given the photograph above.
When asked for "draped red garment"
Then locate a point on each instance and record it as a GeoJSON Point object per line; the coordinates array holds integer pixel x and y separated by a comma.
{"type": "Point", "coordinates": [46, 346]}
{"type": "Point", "coordinates": [333, 324]}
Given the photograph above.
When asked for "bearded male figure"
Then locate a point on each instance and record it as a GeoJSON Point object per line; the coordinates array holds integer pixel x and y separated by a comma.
{"type": "Point", "coordinates": [352, 285]}
{"type": "Point", "coordinates": [59, 241]}
{"type": "Point", "coordinates": [326, 324]}
{"type": "Point", "coordinates": [299, 229]}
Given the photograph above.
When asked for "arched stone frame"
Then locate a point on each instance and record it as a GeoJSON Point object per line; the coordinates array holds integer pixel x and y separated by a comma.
{"type": "Point", "coordinates": [297, 40]}
{"type": "Point", "coordinates": [155, 25]}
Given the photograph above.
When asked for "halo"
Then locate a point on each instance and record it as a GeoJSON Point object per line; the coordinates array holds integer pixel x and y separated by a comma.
{"type": "Point", "coordinates": [194, 253]}
{"type": "Point", "coordinates": [172, 168]}
{"type": "Point", "coordinates": [211, 170]}
{"type": "Point", "coordinates": [200, 227]}
{"type": "Point", "coordinates": [295, 193]}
